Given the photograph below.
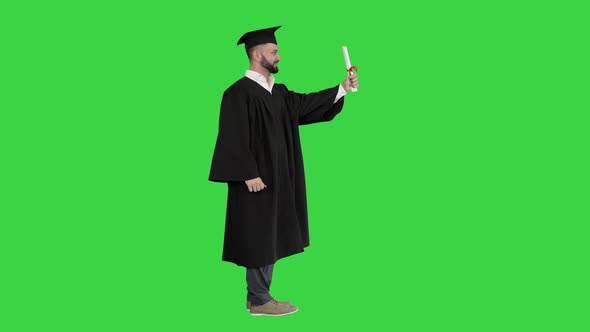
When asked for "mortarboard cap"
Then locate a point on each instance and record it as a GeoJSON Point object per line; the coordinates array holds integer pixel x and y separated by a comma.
{"type": "Point", "coordinates": [258, 37]}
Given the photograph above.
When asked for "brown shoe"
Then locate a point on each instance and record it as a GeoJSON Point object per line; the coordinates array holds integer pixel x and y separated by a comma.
{"type": "Point", "coordinates": [272, 308]}
{"type": "Point", "coordinates": [289, 304]}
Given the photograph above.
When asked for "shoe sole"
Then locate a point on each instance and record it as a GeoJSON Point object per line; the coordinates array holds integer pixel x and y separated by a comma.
{"type": "Point", "coordinates": [285, 314]}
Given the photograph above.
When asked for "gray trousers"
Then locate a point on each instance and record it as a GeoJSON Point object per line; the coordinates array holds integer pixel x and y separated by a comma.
{"type": "Point", "coordinates": [258, 281]}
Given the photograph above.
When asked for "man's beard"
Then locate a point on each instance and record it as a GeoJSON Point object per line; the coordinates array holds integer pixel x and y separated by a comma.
{"type": "Point", "coordinates": [269, 66]}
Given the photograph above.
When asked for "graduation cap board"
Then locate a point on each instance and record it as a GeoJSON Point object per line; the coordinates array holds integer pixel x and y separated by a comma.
{"type": "Point", "coordinates": [257, 37]}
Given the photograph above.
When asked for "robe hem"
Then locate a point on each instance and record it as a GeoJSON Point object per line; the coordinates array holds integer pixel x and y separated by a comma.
{"type": "Point", "coordinates": [229, 260]}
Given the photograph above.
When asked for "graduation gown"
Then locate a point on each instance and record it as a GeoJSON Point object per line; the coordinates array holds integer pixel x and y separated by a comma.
{"type": "Point", "coordinates": [259, 137]}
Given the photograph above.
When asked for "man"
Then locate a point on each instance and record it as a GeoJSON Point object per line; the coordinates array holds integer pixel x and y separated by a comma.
{"type": "Point", "coordinates": [258, 154]}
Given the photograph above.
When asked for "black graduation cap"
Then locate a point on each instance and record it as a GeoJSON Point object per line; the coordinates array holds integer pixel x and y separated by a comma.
{"type": "Point", "coordinates": [258, 37]}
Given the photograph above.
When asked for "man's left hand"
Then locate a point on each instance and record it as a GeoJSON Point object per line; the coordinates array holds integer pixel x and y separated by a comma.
{"type": "Point", "coordinates": [350, 82]}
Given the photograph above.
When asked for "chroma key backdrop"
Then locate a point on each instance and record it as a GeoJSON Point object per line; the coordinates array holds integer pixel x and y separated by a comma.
{"type": "Point", "coordinates": [451, 193]}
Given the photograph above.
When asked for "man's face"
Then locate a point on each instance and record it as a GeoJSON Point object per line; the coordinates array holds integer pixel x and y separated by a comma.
{"type": "Point", "coordinates": [270, 58]}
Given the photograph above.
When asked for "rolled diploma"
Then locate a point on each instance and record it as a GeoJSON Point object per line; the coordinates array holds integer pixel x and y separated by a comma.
{"type": "Point", "coordinates": [347, 62]}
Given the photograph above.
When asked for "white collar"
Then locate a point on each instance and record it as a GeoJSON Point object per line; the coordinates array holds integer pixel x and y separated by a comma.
{"type": "Point", "coordinates": [260, 79]}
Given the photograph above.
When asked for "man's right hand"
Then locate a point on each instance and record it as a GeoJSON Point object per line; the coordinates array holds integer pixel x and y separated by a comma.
{"type": "Point", "coordinates": [255, 185]}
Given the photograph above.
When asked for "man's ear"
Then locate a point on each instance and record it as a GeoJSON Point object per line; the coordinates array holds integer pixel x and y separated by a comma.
{"type": "Point", "coordinates": [257, 54]}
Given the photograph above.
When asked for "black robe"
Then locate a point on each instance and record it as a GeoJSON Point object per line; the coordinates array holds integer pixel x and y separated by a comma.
{"type": "Point", "coordinates": [259, 137]}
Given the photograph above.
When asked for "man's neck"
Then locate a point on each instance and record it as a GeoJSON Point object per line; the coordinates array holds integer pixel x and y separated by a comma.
{"type": "Point", "coordinates": [260, 70]}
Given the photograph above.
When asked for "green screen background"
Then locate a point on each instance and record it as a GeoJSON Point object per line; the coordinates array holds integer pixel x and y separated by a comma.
{"type": "Point", "coordinates": [451, 194]}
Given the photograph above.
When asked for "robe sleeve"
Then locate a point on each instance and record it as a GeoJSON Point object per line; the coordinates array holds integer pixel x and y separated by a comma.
{"type": "Point", "coordinates": [315, 107]}
{"type": "Point", "coordinates": [232, 158]}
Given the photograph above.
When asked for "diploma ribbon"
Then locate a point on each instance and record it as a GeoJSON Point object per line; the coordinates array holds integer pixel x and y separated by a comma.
{"type": "Point", "coordinates": [351, 69]}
